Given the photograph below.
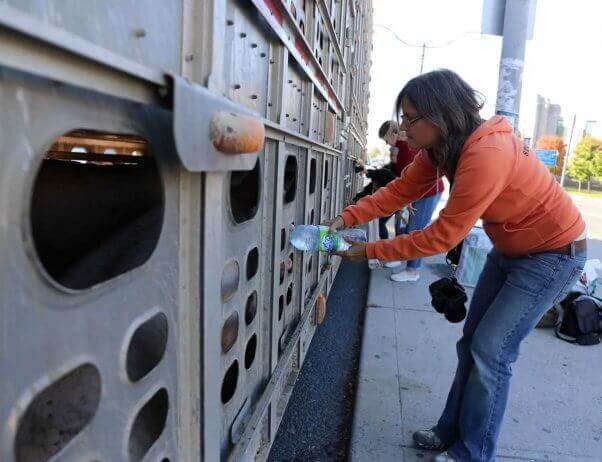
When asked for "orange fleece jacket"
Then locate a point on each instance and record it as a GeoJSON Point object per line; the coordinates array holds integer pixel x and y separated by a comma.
{"type": "Point", "coordinates": [524, 209]}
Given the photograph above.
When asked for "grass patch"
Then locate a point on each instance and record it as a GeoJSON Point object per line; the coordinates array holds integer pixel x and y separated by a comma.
{"type": "Point", "coordinates": [584, 192]}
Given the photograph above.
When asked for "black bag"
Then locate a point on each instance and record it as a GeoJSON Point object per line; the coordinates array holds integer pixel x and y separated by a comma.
{"type": "Point", "coordinates": [448, 297]}
{"type": "Point", "coordinates": [581, 320]}
{"type": "Point", "coordinates": [447, 294]}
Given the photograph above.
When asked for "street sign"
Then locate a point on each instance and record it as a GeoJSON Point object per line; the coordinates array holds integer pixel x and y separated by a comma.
{"type": "Point", "coordinates": [548, 157]}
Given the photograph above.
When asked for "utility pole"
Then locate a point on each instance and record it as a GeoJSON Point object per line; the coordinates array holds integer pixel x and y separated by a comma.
{"type": "Point", "coordinates": [568, 153]}
{"type": "Point", "coordinates": [422, 57]}
{"type": "Point", "coordinates": [515, 33]}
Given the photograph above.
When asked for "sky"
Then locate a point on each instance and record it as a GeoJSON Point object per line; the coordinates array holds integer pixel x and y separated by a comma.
{"type": "Point", "coordinates": [562, 63]}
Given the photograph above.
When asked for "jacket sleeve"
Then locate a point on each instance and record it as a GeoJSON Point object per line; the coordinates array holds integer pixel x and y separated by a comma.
{"type": "Point", "coordinates": [481, 176]}
{"type": "Point", "coordinates": [415, 181]}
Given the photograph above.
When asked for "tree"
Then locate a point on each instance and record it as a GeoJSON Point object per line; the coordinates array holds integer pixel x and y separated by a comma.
{"type": "Point", "coordinates": [556, 143]}
{"type": "Point", "coordinates": [586, 161]}
{"type": "Point", "coordinates": [375, 153]}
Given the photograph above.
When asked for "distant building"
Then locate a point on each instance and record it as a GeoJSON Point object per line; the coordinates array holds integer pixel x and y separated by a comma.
{"type": "Point", "coordinates": [548, 120]}
{"type": "Point", "coordinates": [590, 126]}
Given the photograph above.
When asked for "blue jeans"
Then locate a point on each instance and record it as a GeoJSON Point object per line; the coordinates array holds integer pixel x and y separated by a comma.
{"type": "Point", "coordinates": [383, 232]}
{"type": "Point", "coordinates": [423, 212]}
{"type": "Point", "coordinates": [509, 299]}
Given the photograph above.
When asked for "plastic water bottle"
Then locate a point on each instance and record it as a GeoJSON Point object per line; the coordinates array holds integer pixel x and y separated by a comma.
{"type": "Point", "coordinates": [311, 238]}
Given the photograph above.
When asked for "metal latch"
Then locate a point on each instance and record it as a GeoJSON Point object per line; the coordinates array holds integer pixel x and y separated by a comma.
{"type": "Point", "coordinates": [212, 133]}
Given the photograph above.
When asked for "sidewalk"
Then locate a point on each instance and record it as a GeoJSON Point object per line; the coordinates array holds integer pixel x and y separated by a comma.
{"type": "Point", "coordinates": [406, 367]}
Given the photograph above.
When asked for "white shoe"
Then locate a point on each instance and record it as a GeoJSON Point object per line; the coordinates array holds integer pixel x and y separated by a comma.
{"type": "Point", "coordinates": [392, 264]}
{"type": "Point", "coordinates": [445, 457]}
{"type": "Point", "coordinates": [406, 276]}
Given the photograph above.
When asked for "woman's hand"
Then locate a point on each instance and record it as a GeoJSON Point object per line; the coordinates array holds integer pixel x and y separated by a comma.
{"type": "Point", "coordinates": [335, 224]}
{"type": "Point", "coordinates": [357, 252]}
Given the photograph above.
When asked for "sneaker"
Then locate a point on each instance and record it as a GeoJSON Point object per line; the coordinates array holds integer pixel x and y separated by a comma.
{"type": "Point", "coordinates": [428, 439]}
{"type": "Point", "coordinates": [392, 264]}
{"type": "Point", "coordinates": [445, 457]}
{"type": "Point", "coordinates": [406, 276]}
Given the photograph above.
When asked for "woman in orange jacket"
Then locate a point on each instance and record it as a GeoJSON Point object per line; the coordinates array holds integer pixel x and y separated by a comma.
{"type": "Point", "coordinates": [538, 235]}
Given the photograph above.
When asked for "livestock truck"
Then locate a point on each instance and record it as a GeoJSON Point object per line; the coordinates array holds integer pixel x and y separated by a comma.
{"type": "Point", "coordinates": [154, 156]}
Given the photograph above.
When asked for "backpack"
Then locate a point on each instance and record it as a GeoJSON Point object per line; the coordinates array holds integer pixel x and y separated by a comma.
{"type": "Point", "coordinates": [580, 320]}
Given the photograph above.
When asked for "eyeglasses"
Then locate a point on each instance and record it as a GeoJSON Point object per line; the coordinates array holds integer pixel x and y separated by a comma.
{"type": "Point", "coordinates": [406, 121]}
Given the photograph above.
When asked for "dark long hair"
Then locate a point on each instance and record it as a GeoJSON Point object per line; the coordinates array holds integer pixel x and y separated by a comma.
{"type": "Point", "coordinates": [443, 98]}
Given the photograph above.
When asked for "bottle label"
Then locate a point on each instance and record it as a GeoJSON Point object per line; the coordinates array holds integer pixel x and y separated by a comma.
{"type": "Point", "coordinates": [328, 242]}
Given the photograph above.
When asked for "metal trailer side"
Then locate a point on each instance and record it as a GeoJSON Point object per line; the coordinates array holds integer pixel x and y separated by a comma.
{"type": "Point", "coordinates": [151, 307]}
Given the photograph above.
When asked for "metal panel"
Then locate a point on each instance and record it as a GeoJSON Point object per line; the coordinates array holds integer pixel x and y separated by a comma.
{"type": "Point", "coordinates": [239, 252]}
{"type": "Point", "coordinates": [250, 58]}
{"type": "Point", "coordinates": [145, 31]}
{"type": "Point", "coordinates": [75, 327]}
{"type": "Point", "coordinates": [318, 109]}
{"type": "Point", "coordinates": [247, 59]}
{"type": "Point", "coordinates": [311, 261]}
{"type": "Point", "coordinates": [296, 98]}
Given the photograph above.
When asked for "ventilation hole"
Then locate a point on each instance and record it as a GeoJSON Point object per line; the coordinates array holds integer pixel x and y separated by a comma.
{"type": "Point", "coordinates": [229, 332]}
{"type": "Point", "coordinates": [282, 272]}
{"type": "Point", "coordinates": [57, 414]}
{"type": "Point", "coordinates": [289, 295]}
{"type": "Point", "coordinates": [251, 308]}
{"type": "Point", "coordinates": [229, 383]}
{"type": "Point", "coordinates": [96, 207]}
{"type": "Point", "coordinates": [148, 425]}
{"type": "Point", "coordinates": [282, 239]}
{"type": "Point", "coordinates": [290, 179]}
{"type": "Point", "coordinates": [309, 263]}
{"type": "Point", "coordinates": [147, 347]}
{"type": "Point", "coordinates": [244, 194]}
{"type": "Point", "coordinates": [250, 351]}
{"type": "Point", "coordinates": [291, 263]}
{"type": "Point", "coordinates": [326, 179]}
{"type": "Point", "coordinates": [252, 263]}
{"type": "Point", "coordinates": [312, 176]}
{"type": "Point", "coordinates": [230, 278]}
{"type": "Point", "coordinates": [280, 307]}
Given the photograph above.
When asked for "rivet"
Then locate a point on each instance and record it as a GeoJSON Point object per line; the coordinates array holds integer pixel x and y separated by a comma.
{"type": "Point", "coordinates": [236, 86]}
{"type": "Point", "coordinates": [253, 96]}
{"type": "Point", "coordinates": [139, 33]}
{"type": "Point", "coordinates": [229, 22]}
{"type": "Point", "coordinates": [189, 58]}
{"type": "Point", "coordinates": [253, 45]}
{"type": "Point", "coordinates": [243, 35]}
{"type": "Point", "coordinates": [263, 55]}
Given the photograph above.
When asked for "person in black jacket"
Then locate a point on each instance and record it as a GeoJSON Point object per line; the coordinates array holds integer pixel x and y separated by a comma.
{"type": "Point", "coordinates": [380, 177]}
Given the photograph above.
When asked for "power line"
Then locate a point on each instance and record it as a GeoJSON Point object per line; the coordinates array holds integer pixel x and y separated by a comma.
{"type": "Point", "coordinates": [424, 46]}
{"type": "Point", "coordinates": [421, 45]}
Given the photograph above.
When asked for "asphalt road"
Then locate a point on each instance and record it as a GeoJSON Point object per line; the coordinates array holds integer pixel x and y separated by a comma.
{"type": "Point", "coordinates": [317, 423]}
